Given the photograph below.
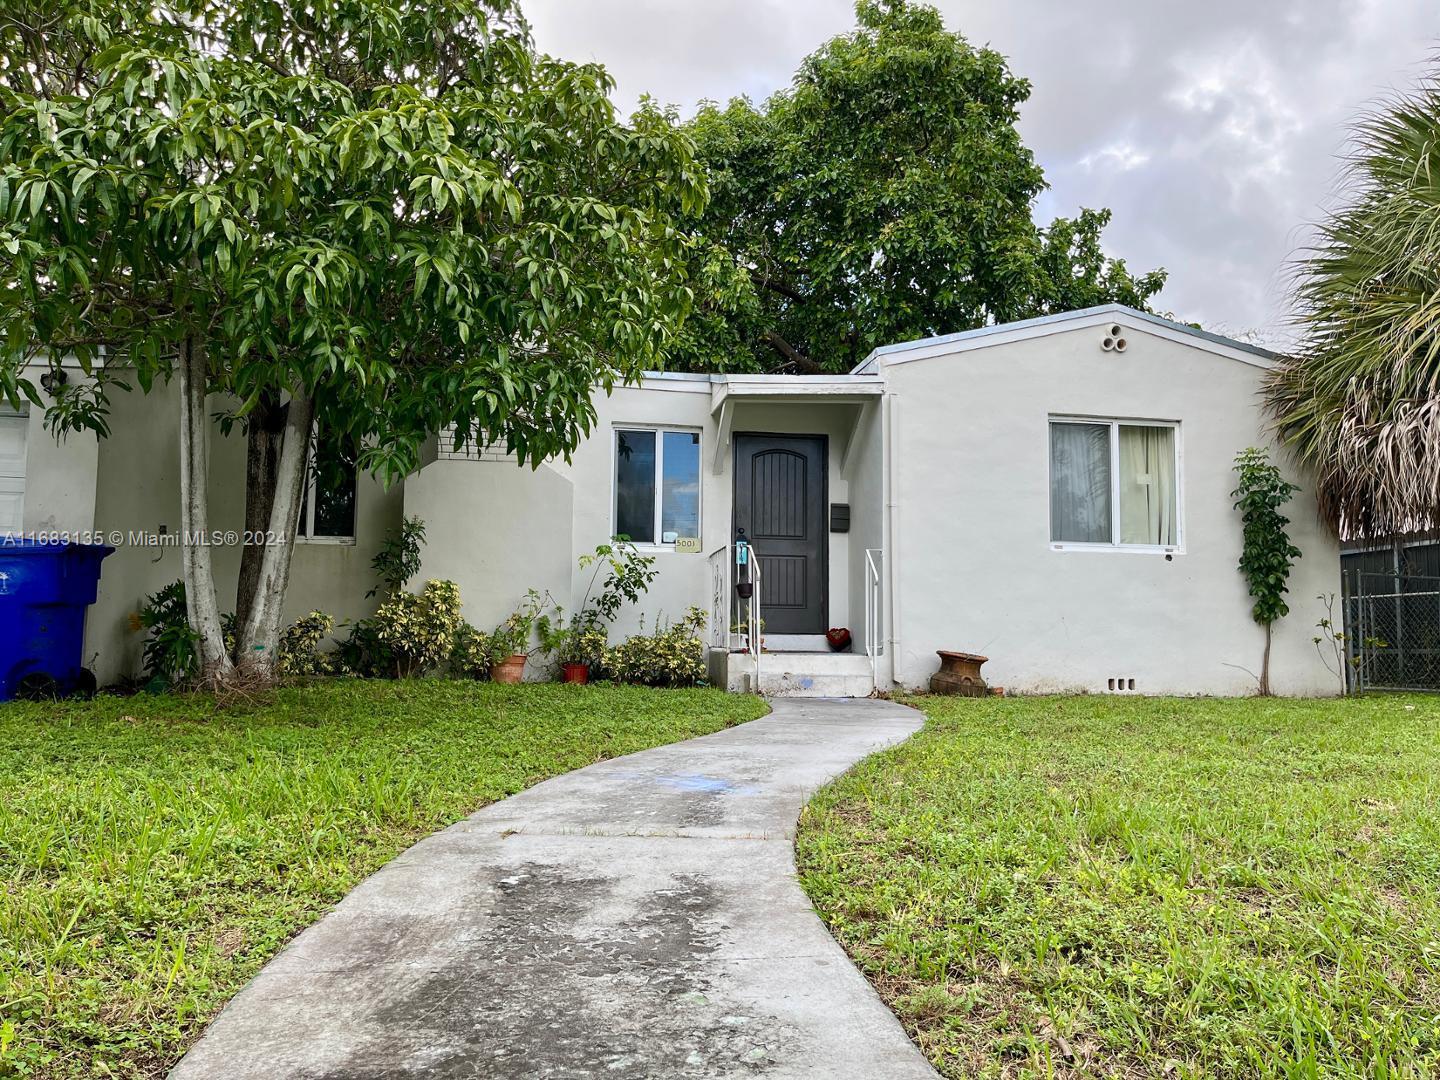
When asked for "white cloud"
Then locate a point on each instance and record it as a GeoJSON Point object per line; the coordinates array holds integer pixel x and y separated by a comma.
{"type": "Point", "coordinates": [1122, 156]}
{"type": "Point", "coordinates": [1211, 130]}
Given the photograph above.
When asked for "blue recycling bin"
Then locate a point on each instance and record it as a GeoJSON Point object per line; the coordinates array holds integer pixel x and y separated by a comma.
{"type": "Point", "coordinates": [44, 591]}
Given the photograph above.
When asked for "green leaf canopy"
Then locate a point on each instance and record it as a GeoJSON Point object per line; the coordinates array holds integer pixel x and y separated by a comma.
{"type": "Point", "coordinates": [394, 206]}
{"type": "Point", "coordinates": [885, 196]}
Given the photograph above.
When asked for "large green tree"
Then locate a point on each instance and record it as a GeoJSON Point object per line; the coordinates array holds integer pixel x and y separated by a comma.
{"type": "Point", "coordinates": [1359, 400]}
{"type": "Point", "coordinates": [886, 195]}
{"type": "Point", "coordinates": [383, 216]}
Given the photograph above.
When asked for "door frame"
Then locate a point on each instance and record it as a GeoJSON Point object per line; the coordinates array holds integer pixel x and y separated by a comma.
{"type": "Point", "coordinates": [824, 441]}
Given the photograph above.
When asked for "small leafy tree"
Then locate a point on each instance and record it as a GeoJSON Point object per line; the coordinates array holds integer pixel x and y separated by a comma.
{"type": "Point", "coordinates": [1267, 553]}
{"type": "Point", "coordinates": [583, 637]}
{"type": "Point", "coordinates": [398, 559]}
{"type": "Point", "coordinates": [375, 220]}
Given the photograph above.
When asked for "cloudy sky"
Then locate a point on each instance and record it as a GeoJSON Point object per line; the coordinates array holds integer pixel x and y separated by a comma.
{"type": "Point", "coordinates": [1211, 129]}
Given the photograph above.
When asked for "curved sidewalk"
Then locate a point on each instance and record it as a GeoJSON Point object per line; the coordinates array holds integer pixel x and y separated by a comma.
{"type": "Point", "coordinates": [637, 918]}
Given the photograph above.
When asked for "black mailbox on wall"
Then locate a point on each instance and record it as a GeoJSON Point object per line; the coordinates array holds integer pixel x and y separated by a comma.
{"type": "Point", "coordinates": [839, 517]}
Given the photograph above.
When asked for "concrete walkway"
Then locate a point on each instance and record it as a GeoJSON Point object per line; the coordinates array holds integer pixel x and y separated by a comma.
{"type": "Point", "coordinates": [637, 918]}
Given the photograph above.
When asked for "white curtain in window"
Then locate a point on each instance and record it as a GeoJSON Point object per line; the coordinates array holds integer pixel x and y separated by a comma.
{"type": "Point", "coordinates": [1147, 485]}
{"type": "Point", "coordinates": [1080, 483]}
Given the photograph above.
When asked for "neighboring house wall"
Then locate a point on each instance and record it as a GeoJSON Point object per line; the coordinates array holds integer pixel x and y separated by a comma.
{"type": "Point", "coordinates": [139, 490]}
{"type": "Point", "coordinates": [972, 557]}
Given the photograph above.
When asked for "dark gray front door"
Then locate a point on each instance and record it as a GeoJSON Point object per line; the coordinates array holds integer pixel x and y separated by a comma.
{"type": "Point", "coordinates": [780, 503]}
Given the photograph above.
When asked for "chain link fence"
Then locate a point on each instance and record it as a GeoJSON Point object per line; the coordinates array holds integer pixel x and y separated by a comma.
{"type": "Point", "coordinates": [1392, 630]}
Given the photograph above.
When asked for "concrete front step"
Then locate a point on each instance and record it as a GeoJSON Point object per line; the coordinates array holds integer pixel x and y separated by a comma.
{"type": "Point", "coordinates": [801, 674]}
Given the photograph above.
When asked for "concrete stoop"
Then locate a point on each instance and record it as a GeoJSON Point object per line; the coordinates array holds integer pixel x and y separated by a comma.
{"type": "Point", "coordinates": [801, 674]}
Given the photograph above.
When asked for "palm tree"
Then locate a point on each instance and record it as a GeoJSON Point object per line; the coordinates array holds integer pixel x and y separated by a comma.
{"type": "Point", "coordinates": [1359, 402]}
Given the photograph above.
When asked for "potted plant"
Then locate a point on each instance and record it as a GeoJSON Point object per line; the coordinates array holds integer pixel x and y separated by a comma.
{"type": "Point", "coordinates": [578, 644]}
{"type": "Point", "coordinates": [740, 637]}
{"type": "Point", "coordinates": [510, 641]}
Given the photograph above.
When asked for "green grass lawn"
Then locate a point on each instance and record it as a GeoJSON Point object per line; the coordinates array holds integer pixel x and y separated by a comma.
{"type": "Point", "coordinates": [1096, 887]}
{"type": "Point", "coordinates": [155, 851]}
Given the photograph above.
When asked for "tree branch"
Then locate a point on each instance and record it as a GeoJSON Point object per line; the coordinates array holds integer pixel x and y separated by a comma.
{"type": "Point", "coordinates": [794, 356]}
{"type": "Point", "coordinates": [787, 291]}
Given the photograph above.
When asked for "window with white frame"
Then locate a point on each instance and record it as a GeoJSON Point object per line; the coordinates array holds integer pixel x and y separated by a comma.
{"type": "Point", "coordinates": [328, 511]}
{"type": "Point", "coordinates": [1114, 483]}
{"type": "Point", "coordinates": [657, 484]}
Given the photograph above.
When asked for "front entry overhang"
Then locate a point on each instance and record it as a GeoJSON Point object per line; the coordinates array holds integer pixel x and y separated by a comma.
{"type": "Point", "coordinates": [855, 391]}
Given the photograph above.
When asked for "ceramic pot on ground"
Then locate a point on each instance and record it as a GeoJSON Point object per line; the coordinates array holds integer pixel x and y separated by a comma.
{"type": "Point", "coordinates": [575, 673]}
{"type": "Point", "coordinates": [509, 670]}
{"type": "Point", "coordinates": [959, 674]}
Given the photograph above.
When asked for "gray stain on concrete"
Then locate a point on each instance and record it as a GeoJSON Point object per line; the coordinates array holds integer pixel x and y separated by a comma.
{"type": "Point", "coordinates": [638, 918]}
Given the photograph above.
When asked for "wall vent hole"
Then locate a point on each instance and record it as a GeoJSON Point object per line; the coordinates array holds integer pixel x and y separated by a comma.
{"type": "Point", "coordinates": [1129, 684]}
{"type": "Point", "coordinates": [1112, 684]}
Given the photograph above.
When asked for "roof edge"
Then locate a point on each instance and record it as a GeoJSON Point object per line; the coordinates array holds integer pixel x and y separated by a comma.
{"type": "Point", "coordinates": [1053, 323]}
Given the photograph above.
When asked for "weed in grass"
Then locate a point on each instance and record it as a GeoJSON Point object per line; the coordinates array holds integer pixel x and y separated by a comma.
{"type": "Point", "coordinates": [1092, 887]}
{"type": "Point", "coordinates": [155, 851]}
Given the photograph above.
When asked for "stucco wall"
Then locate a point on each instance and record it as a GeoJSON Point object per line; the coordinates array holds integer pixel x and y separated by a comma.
{"type": "Point", "coordinates": [60, 473]}
{"type": "Point", "coordinates": [867, 462]}
{"type": "Point", "coordinates": [494, 528]}
{"type": "Point", "coordinates": [683, 579]}
{"type": "Point", "coordinates": [972, 553]}
{"type": "Point", "coordinates": [139, 489]}
{"type": "Point", "coordinates": [498, 529]}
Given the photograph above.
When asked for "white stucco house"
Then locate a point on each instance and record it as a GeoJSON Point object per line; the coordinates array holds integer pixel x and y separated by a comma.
{"type": "Point", "coordinates": [1053, 493]}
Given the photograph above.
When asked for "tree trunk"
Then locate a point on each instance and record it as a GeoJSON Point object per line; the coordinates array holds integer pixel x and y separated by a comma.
{"type": "Point", "coordinates": [258, 638]}
{"type": "Point", "coordinates": [1265, 665]}
{"type": "Point", "coordinates": [202, 607]}
{"type": "Point", "coordinates": [263, 439]}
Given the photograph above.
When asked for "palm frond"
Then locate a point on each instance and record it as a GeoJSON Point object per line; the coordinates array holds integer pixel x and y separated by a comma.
{"type": "Point", "coordinates": [1359, 402]}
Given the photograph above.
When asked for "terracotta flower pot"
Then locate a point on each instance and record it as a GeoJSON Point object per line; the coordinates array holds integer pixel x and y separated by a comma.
{"type": "Point", "coordinates": [509, 670]}
{"type": "Point", "coordinates": [575, 673]}
{"type": "Point", "coordinates": [959, 674]}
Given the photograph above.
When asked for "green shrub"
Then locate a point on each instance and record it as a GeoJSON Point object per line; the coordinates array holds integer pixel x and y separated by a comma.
{"type": "Point", "coordinates": [363, 654]}
{"type": "Point", "coordinates": [584, 636]}
{"type": "Point", "coordinates": [170, 655]}
{"type": "Point", "coordinates": [473, 654]}
{"type": "Point", "coordinates": [399, 557]}
{"type": "Point", "coordinates": [419, 629]}
{"type": "Point", "coordinates": [299, 645]}
{"type": "Point", "coordinates": [673, 655]}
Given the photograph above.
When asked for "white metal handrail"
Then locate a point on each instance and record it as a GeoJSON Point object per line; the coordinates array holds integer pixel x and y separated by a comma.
{"type": "Point", "coordinates": [725, 605]}
{"type": "Point", "coordinates": [874, 643]}
{"type": "Point", "coordinates": [757, 633]}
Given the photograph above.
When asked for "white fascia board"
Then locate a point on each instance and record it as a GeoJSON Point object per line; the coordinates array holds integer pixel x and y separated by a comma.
{"type": "Point", "coordinates": [674, 381]}
{"type": "Point", "coordinates": [792, 388]}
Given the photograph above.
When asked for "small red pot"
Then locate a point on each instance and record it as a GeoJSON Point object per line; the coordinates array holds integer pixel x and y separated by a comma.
{"type": "Point", "coordinates": [839, 638]}
{"type": "Point", "coordinates": [509, 670]}
{"type": "Point", "coordinates": [575, 673]}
